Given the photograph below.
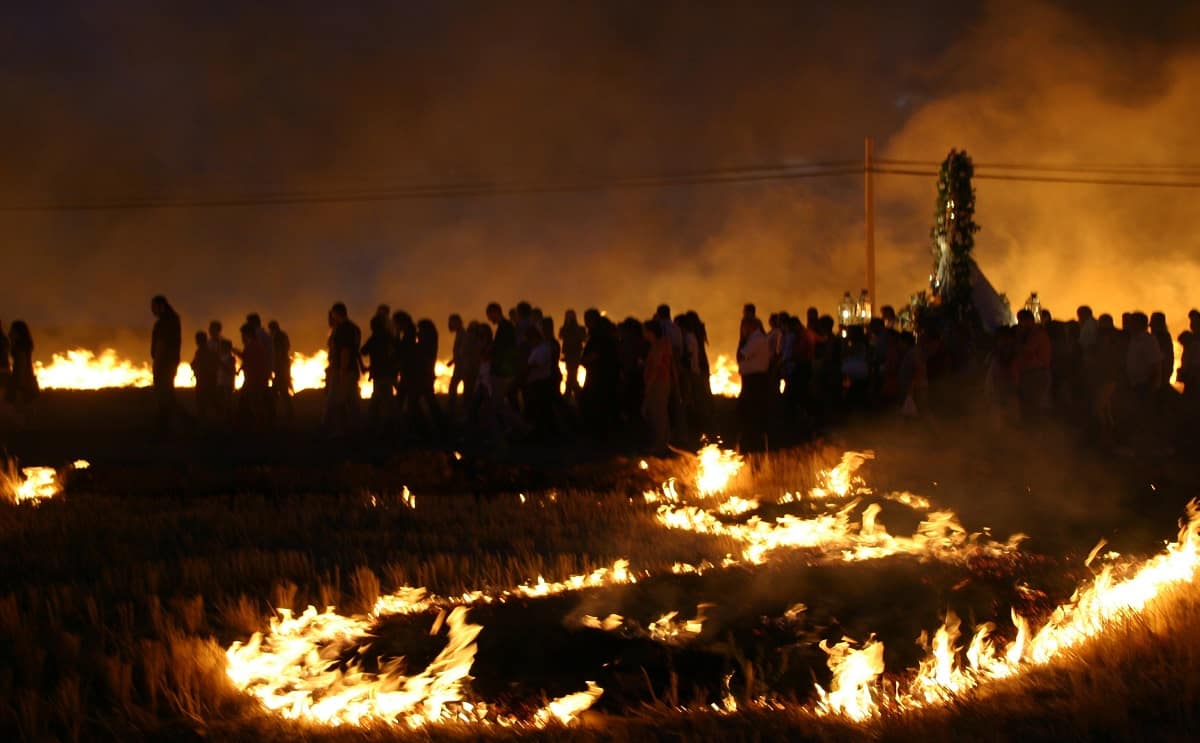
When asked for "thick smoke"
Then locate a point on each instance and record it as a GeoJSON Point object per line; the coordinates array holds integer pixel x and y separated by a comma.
{"type": "Point", "coordinates": [194, 103]}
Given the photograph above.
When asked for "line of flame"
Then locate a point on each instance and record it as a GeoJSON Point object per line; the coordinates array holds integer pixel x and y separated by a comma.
{"type": "Point", "coordinates": [81, 369]}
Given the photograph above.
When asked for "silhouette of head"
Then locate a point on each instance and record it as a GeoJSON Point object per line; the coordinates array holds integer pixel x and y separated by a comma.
{"type": "Point", "coordinates": [158, 304]}
{"type": "Point", "coordinates": [652, 330]}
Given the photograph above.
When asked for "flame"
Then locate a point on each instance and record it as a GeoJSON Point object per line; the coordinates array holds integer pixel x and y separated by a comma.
{"type": "Point", "coordinates": [667, 629]}
{"type": "Point", "coordinates": [608, 624]}
{"type": "Point", "coordinates": [838, 481]}
{"type": "Point", "coordinates": [82, 370]}
{"type": "Point", "coordinates": [32, 484]}
{"type": "Point", "coordinates": [947, 674]}
{"type": "Point", "coordinates": [565, 708]}
{"type": "Point", "coordinates": [308, 372]}
{"type": "Point", "coordinates": [851, 693]}
{"type": "Point", "coordinates": [292, 669]}
{"type": "Point", "coordinates": [716, 468]}
{"type": "Point", "coordinates": [723, 377]}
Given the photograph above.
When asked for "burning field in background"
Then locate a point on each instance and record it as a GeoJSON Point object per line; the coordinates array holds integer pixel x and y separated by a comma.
{"type": "Point", "coordinates": [786, 591]}
{"type": "Point", "coordinates": [81, 369]}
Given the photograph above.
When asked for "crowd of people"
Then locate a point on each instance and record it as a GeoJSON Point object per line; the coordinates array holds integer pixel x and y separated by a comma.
{"type": "Point", "coordinates": [264, 359]}
{"type": "Point", "coordinates": [516, 376]}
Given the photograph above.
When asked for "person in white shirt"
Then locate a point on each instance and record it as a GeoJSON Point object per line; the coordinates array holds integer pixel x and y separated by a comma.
{"type": "Point", "coordinates": [1143, 360]}
{"type": "Point", "coordinates": [754, 402]}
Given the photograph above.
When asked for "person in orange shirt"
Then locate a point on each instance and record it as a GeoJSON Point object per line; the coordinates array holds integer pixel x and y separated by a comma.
{"type": "Point", "coordinates": [658, 375]}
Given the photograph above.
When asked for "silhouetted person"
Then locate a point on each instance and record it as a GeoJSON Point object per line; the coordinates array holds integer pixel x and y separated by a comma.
{"type": "Point", "coordinates": [263, 335]}
{"type": "Point", "coordinates": [631, 355]}
{"type": "Point", "coordinates": [749, 312]}
{"type": "Point", "coordinates": [1158, 328]}
{"type": "Point", "coordinates": [478, 339]}
{"type": "Point", "coordinates": [422, 405]}
{"type": "Point", "coordinates": [888, 313]}
{"type": "Point", "coordinates": [702, 384]}
{"type": "Point", "coordinates": [5, 362]}
{"type": "Point", "coordinates": [204, 368]}
{"type": "Point", "coordinates": [1033, 365]}
{"type": "Point", "coordinates": [214, 336]}
{"type": "Point", "coordinates": [341, 378]}
{"type": "Point", "coordinates": [572, 335]}
{"type": "Point", "coordinates": [254, 400]}
{"type": "Point", "coordinates": [541, 383]}
{"type": "Point", "coordinates": [226, 376]}
{"type": "Point", "coordinates": [1189, 361]}
{"type": "Point", "coordinates": [404, 333]}
{"type": "Point", "coordinates": [460, 366]}
{"type": "Point", "coordinates": [380, 352]}
{"type": "Point", "coordinates": [281, 369]}
{"type": "Point", "coordinates": [23, 386]}
{"type": "Point", "coordinates": [504, 364]}
{"type": "Point", "coordinates": [599, 398]}
{"type": "Point", "coordinates": [165, 348]}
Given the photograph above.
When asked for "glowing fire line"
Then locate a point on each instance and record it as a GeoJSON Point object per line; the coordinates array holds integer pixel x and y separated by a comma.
{"type": "Point", "coordinates": [292, 669]}
{"type": "Point", "coordinates": [81, 369]}
{"type": "Point", "coordinates": [948, 674]}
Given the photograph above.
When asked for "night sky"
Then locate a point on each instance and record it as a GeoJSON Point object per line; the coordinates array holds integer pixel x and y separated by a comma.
{"type": "Point", "coordinates": [133, 102]}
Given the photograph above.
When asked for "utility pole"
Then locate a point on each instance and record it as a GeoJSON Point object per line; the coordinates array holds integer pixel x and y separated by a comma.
{"type": "Point", "coordinates": [869, 203]}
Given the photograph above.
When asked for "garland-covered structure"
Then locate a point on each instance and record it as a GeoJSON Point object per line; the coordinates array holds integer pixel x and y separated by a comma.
{"type": "Point", "coordinates": [958, 286]}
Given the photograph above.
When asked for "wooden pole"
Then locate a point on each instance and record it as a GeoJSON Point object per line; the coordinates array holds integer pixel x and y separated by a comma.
{"type": "Point", "coordinates": [869, 199]}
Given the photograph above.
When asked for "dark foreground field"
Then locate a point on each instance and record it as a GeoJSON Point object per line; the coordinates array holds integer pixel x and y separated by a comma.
{"type": "Point", "coordinates": [119, 597]}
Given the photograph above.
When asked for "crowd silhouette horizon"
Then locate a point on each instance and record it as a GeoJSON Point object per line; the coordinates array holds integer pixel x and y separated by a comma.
{"type": "Point", "coordinates": [646, 383]}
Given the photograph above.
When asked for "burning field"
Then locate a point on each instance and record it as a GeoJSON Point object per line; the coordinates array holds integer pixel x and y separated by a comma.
{"type": "Point", "coordinates": [803, 594]}
{"type": "Point", "coordinates": [82, 369]}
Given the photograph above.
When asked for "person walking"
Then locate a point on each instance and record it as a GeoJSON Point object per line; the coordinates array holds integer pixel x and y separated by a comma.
{"type": "Point", "coordinates": [204, 369]}
{"type": "Point", "coordinates": [165, 348]}
{"type": "Point", "coordinates": [658, 375]}
{"type": "Point", "coordinates": [23, 385]}
{"type": "Point", "coordinates": [341, 378]}
{"type": "Point", "coordinates": [572, 335]}
{"type": "Point", "coordinates": [754, 402]}
{"type": "Point", "coordinates": [5, 363]}
{"type": "Point", "coordinates": [281, 366]}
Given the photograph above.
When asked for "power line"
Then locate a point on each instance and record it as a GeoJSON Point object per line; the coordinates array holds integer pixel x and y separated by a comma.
{"type": "Point", "coordinates": [1153, 176]}
{"type": "Point", "coordinates": [480, 189]}
{"type": "Point", "coordinates": [1118, 168]}
{"type": "Point", "coordinates": [1033, 178]}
